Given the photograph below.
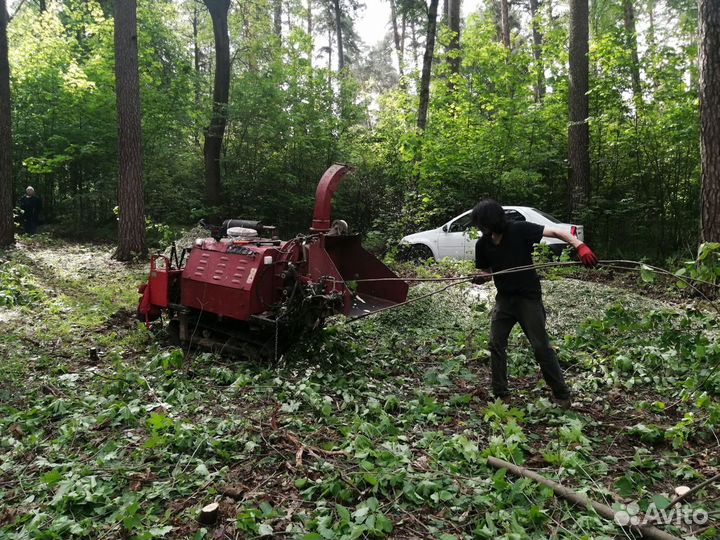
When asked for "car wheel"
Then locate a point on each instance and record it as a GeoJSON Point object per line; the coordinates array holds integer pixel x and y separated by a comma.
{"type": "Point", "coordinates": [420, 252]}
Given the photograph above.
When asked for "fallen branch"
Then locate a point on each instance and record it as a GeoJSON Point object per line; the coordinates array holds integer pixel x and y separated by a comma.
{"type": "Point", "coordinates": [647, 531]}
{"type": "Point", "coordinates": [693, 490]}
{"type": "Point", "coordinates": [312, 449]}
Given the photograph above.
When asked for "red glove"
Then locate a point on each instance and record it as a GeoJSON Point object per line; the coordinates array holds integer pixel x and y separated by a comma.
{"type": "Point", "coordinates": [587, 257]}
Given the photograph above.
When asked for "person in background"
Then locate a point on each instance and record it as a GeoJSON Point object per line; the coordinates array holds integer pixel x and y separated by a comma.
{"type": "Point", "coordinates": [502, 246]}
{"type": "Point", "coordinates": [31, 205]}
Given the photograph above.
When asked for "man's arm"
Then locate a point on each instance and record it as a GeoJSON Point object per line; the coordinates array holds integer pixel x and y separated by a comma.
{"type": "Point", "coordinates": [481, 264]}
{"type": "Point", "coordinates": [560, 234]}
{"type": "Point", "coordinates": [587, 257]}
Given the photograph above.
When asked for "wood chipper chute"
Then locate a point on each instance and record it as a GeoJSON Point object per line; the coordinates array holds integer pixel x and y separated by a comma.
{"type": "Point", "coordinates": [243, 287]}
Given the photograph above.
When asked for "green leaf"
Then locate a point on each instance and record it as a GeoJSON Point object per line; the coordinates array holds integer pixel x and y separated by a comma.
{"type": "Point", "coordinates": [360, 514]}
{"type": "Point", "coordinates": [625, 487]}
{"type": "Point", "coordinates": [382, 523]}
{"type": "Point", "coordinates": [301, 483]}
{"type": "Point", "coordinates": [158, 422]}
{"type": "Point", "coordinates": [51, 478]}
{"type": "Point", "coordinates": [160, 531]}
{"type": "Point", "coordinates": [661, 502]}
{"type": "Point", "coordinates": [647, 274]}
{"type": "Point", "coordinates": [202, 470]}
{"type": "Point", "coordinates": [370, 479]}
{"type": "Point", "coordinates": [343, 513]}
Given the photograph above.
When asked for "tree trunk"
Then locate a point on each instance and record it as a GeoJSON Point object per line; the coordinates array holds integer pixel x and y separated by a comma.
{"type": "Point", "coordinates": [454, 26]}
{"type": "Point", "coordinates": [578, 131]}
{"type": "Point", "coordinates": [309, 18]}
{"type": "Point", "coordinates": [330, 50]}
{"type": "Point", "coordinates": [427, 64]}
{"type": "Point", "coordinates": [277, 17]}
{"type": "Point", "coordinates": [537, 36]}
{"type": "Point", "coordinates": [215, 132]}
{"type": "Point", "coordinates": [505, 23]}
{"type": "Point", "coordinates": [7, 227]}
{"type": "Point", "coordinates": [43, 6]}
{"type": "Point", "coordinates": [131, 219]}
{"type": "Point", "coordinates": [338, 31]}
{"type": "Point", "coordinates": [651, 24]}
{"type": "Point", "coordinates": [414, 41]}
{"type": "Point", "coordinates": [196, 66]}
{"type": "Point", "coordinates": [403, 32]}
{"type": "Point", "coordinates": [396, 36]}
{"type": "Point", "coordinates": [709, 53]}
{"type": "Point", "coordinates": [631, 44]}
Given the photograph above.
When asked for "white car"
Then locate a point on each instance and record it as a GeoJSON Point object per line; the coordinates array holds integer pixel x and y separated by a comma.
{"type": "Point", "coordinates": [453, 239]}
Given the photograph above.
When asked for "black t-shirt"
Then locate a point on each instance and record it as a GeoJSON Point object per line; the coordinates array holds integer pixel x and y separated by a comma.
{"type": "Point", "coordinates": [31, 206]}
{"type": "Point", "coordinates": [515, 249]}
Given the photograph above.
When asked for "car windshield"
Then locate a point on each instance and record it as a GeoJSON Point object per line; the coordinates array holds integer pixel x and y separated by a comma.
{"type": "Point", "coordinates": [548, 216]}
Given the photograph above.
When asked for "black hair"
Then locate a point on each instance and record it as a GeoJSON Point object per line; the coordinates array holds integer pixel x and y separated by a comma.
{"type": "Point", "coordinates": [488, 214]}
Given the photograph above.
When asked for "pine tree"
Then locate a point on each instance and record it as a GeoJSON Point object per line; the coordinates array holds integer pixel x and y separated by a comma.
{"type": "Point", "coordinates": [131, 237]}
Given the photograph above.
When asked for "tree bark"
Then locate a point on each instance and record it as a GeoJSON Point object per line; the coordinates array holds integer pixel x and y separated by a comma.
{"type": "Point", "coordinates": [7, 227]}
{"type": "Point", "coordinates": [427, 64]}
{"type": "Point", "coordinates": [539, 89]}
{"type": "Point", "coordinates": [277, 18]}
{"type": "Point", "coordinates": [631, 44]}
{"type": "Point", "coordinates": [338, 32]}
{"type": "Point", "coordinates": [43, 6]}
{"type": "Point", "coordinates": [215, 132]}
{"type": "Point", "coordinates": [196, 53]}
{"type": "Point", "coordinates": [651, 24]}
{"type": "Point", "coordinates": [414, 41]}
{"type": "Point", "coordinates": [453, 19]}
{"type": "Point", "coordinates": [396, 36]}
{"type": "Point", "coordinates": [505, 23]}
{"type": "Point", "coordinates": [709, 56]}
{"type": "Point", "coordinates": [330, 50]}
{"type": "Point", "coordinates": [578, 130]}
{"type": "Point", "coordinates": [131, 219]}
{"type": "Point", "coordinates": [309, 18]}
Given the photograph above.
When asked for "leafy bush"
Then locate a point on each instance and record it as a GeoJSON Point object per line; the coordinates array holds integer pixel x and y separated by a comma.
{"type": "Point", "coordinates": [16, 286]}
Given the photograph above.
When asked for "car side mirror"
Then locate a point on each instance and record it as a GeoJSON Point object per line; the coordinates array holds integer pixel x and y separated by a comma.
{"type": "Point", "coordinates": [445, 228]}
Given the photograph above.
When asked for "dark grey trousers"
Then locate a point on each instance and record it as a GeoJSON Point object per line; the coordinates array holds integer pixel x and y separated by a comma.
{"type": "Point", "coordinates": [530, 313]}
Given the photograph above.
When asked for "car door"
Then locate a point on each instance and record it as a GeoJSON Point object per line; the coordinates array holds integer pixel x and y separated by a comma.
{"type": "Point", "coordinates": [453, 238]}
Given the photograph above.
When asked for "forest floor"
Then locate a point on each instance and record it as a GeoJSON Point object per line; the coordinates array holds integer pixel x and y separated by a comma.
{"type": "Point", "coordinates": [375, 429]}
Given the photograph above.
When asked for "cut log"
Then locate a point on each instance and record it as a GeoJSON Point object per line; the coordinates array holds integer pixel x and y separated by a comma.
{"type": "Point", "coordinates": [209, 513]}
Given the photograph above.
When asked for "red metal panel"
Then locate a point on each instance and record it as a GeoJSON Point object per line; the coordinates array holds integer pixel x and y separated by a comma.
{"type": "Point", "coordinates": [319, 264]}
{"type": "Point", "coordinates": [354, 262]}
{"type": "Point", "coordinates": [159, 280]}
{"type": "Point", "coordinates": [235, 285]}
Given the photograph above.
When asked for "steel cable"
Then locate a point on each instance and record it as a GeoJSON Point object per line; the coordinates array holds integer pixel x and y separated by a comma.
{"type": "Point", "coordinates": [616, 264]}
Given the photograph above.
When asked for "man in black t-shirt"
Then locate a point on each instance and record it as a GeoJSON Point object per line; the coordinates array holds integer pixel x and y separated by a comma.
{"type": "Point", "coordinates": [502, 246]}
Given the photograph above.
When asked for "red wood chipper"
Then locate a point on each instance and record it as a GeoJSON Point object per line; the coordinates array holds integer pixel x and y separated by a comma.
{"type": "Point", "coordinates": [242, 293]}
